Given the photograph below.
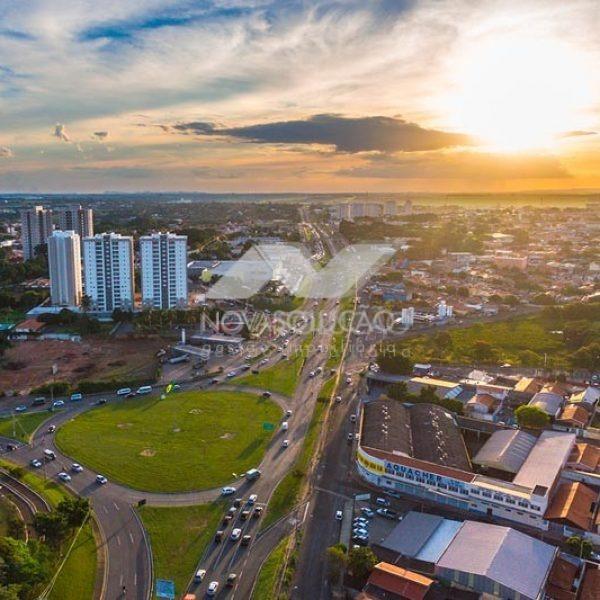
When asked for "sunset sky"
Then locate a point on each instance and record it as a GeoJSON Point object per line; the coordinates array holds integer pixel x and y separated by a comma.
{"type": "Point", "coordinates": [235, 95]}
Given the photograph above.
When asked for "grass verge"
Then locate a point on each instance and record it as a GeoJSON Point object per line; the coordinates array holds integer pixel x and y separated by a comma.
{"type": "Point", "coordinates": [270, 573]}
{"type": "Point", "coordinates": [23, 425]}
{"type": "Point", "coordinates": [179, 536]}
{"type": "Point", "coordinates": [190, 440]}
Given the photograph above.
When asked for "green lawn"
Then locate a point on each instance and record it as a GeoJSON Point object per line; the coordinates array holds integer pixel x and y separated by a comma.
{"type": "Point", "coordinates": [188, 441]}
{"type": "Point", "coordinates": [179, 537]}
{"type": "Point", "coordinates": [23, 425]}
{"type": "Point", "coordinates": [269, 573]}
{"type": "Point", "coordinates": [282, 377]}
{"type": "Point", "coordinates": [78, 575]}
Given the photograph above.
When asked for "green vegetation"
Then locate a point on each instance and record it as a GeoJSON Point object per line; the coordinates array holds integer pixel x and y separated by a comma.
{"type": "Point", "coordinates": [531, 417]}
{"type": "Point", "coordinates": [560, 337]}
{"type": "Point", "coordinates": [285, 496]}
{"type": "Point", "coordinates": [32, 564]}
{"type": "Point", "coordinates": [579, 546]}
{"type": "Point", "coordinates": [23, 425]}
{"type": "Point", "coordinates": [78, 575]}
{"type": "Point", "coordinates": [282, 377]}
{"type": "Point", "coordinates": [179, 537]}
{"type": "Point", "coordinates": [270, 573]}
{"type": "Point", "coordinates": [337, 559]}
{"type": "Point", "coordinates": [191, 440]}
{"type": "Point", "coordinates": [340, 333]}
{"type": "Point", "coordinates": [398, 391]}
{"type": "Point", "coordinates": [361, 562]}
{"type": "Point", "coordinates": [10, 522]}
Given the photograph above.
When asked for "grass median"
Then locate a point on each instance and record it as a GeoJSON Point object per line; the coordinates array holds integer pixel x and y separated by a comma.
{"type": "Point", "coordinates": [22, 426]}
{"type": "Point", "coordinates": [188, 441]}
{"type": "Point", "coordinates": [179, 536]}
{"type": "Point", "coordinates": [270, 573]}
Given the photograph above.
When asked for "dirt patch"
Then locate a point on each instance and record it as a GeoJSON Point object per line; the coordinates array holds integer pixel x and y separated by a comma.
{"type": "Point", "coordinates": [148, 452]}
{"type": "Point", "coordinates": [124, 425]}
{"type": "Point", "coordinates": [226, 436]}
{"type": "Point", "coordinates": [176, 430]}
{"type": "Point", "coordinates": [195, 411]}
{"type": "Point", "coordinates": [94, 358]}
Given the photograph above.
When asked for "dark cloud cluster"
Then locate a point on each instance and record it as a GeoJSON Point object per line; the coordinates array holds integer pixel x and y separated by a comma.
{"type": "Point", "coordinates": [345, 134]}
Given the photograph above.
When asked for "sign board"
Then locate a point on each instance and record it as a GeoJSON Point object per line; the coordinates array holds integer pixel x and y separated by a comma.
{"type": "Point", "coordinates": [165, 589]}
{"type": "Point", "coordinates": [268, 426]}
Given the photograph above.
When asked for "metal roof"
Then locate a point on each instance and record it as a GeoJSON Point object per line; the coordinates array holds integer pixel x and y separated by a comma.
{"type": "Point", "coordinates": [506, 450]}
{"type": "Point", "coordinates": [511, 558]}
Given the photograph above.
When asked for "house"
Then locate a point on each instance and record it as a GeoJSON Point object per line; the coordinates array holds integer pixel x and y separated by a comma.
{"type": "Point", "coordinates": [481, 404]}
{"type": "Point", "coordinates": [549, 402]}
{"type": "Point", "coordinates": [526, 388]}
{"type": "Point", "coordinates": [443, 389]}
{"type": "Point", "coordinates": [28, 329]}
{"type": "Point", "coordinates": [587, 398]}
{"type": "Point", "coordinates": [390, 582]}
{"type": "Point", "coordinates": [574, 505]}
{"type": "Point", "coordinates": [585, 457]}
{"type": "Point", "coordinates": [574, 416]}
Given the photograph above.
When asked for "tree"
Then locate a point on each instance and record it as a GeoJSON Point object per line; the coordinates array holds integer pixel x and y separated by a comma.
{"type": "Point", "coordinates": [442, 341]}
{"type": "Point", "coordinates": [483, 351]}
{"type": "Point", "coordinates": [587, 357]}
{"type": "Point", "coordinates": [397, 364]}
{"type": "Point", "coordinates": [398, 391]}
{"type": "Point", "coordinates": [531, 417]}
{"type": "Point", "coordinates": [52, 526]}
{"type": "Point", "coordinates": [86, 303]}
{"type": "Point", "coordinates": [361, 562]}
{"type": "Point", "coordinates": [74, 511]}
{"type": "Point", "coordinates": [336, 562]}
{"type": "Point", "coordinates": [579, 546]}
{"type": "Point", "coordinates": [19, 564]}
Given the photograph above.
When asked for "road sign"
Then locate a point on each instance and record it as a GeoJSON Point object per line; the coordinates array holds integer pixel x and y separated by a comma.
{"type": "Point", "coordinates": [268, 426]}
{"type": "Point", "coordinates": [165, 589]}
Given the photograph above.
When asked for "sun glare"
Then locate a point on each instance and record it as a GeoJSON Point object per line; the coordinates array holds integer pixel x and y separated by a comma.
{"type": "Point", "coordinates": [516, 94]}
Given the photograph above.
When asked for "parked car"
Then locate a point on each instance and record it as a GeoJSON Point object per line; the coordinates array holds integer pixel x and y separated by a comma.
{"type": "Point", "coordinates": [387, 513]}
{"type": "Point", "coordinates": [382, 501]}
{"type": "Point", "coordinates": [76, 397]}
{"type": "Point", "coordinates": [360, 540]}
{"type": "Point", "coordinates": [124, 391]}
{"type": "Point", "coordinates": [369, 513]}
{"type": "Point", "coordinates": [39, 401]}
{"type": "Point", "coordinates": [143, 390]}
{"type": "Point", "coordinates": [100, 479]}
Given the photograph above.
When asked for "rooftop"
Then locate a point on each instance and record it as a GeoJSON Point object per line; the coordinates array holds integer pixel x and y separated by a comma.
{"type": "Point", "coordinates": [422, 431]}
{"type": "Point", "coordinates": [506, 450]}
{"type": "Point", "coordinates": [399, 581]}
{"type": "Point", "coordinates": [573, 504]}
{"type": "Point", "coordinates": [509, 557]}
{"type": "Point", "coordinates": [545, 461]}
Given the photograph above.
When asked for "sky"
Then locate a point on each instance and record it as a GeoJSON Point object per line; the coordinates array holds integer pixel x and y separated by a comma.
{"type": "Point", "coordinates": [299, 96]}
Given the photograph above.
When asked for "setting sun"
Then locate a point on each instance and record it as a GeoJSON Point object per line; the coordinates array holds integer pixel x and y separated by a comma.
{"type": "Point", "coordinates": [515, 94]}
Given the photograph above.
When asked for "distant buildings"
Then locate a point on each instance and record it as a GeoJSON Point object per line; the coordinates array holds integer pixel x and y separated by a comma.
{"type": "Point", "coordinates": [36, 226]}
{"type": "Point", "coordinates": [77, 219]}
{"type": "Point", "coordinates": [108, 271]}
{"type": "Point", "coordinates": [64, 263]}
{"type": "Point", "coordinates": [163, 258]}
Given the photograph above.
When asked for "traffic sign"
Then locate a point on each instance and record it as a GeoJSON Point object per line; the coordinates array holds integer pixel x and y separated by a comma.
{"type": "Point", "coordinates": [268, 426]}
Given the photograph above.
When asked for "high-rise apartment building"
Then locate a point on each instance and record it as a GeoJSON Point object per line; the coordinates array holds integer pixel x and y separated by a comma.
{"type": "Point", "coordinates": [76, 218]}
{"type": "Point", "coordinates": [36, 226]}
{"type": "Point", "coordinates": [108, 271]}
{"type": "Point", "coordinates": [64, 263]}
{"type": "Point", "coordinates": [163, 258]}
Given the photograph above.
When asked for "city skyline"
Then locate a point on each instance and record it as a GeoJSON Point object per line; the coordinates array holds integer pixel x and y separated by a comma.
{"type": "Point", "coordinates": [313, 97]}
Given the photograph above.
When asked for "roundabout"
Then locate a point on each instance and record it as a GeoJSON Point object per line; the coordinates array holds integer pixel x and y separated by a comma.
{"type": "Point", "coordinates": [189, 441]}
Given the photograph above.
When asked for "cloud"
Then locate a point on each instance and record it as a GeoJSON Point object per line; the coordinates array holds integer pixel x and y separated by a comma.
{"type": "Point", "coordinates": [360, 134]}
{"type": "Point", "coordinates": [458, 165]}
{"type": "Point", "coordinates": [100, 135]}
{"type": "Point", "coordinates": [6, 152]}
{"type": "Point", "coordinates": [60, 132]}
{"type": "Point", "coordinates": [578, 133]}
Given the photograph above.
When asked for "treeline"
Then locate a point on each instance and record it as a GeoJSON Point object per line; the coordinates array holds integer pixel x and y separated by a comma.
{"type": "Point", "coordinates": [17, 272]}
{"type": "Point", "coordinates": [26, 566]}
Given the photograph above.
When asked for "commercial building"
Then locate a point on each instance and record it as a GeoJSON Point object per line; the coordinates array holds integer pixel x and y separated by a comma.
{"type": "Point", "coordinates": [36, 226]}
{"type": "Point", "coordinates": [419, 450]}
{"type": "Point", "coordinates": [76, 218]}
{"type": "Point", "coordinates": [64, 264]}
{"type": "Point", "coordinates": [486, 559]}
{"type": "Point", "coordinates": [108, 271]}
{"type": "Point", "coordinates": [163, 258]}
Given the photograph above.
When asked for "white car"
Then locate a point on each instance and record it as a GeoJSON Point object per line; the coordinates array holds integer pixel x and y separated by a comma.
{"type": "Point", "coordinates": [36, 463]}
{"type": "Point", "coordinates": [64, 476]}
{"type": "Point", "coordinates": [228, 491]}
{"type": "Point", "coordinates": [213, 586]}
{"type": "Point", "coordinates": [348, 380]}
{"type": "Point", "coordinates": [123, 391]}
{"type": "Point", "coordinates": [101, 479]}
{"type": "Point", "coordinates": [236, 534]}
{"type": "Point", "coordinates": [199, 576]}
{"type": "Point", "coordinates": [76, 468]}
{"type": "Point", "coordinates": [338, 398]}
{"type": "Point", "coordinates": [252, 499]}
{"type": "Point", "coordinates": [288, 413]}
{"type": "Point", "coordinates": [230, 374]}
{"type": "Point", "coordinates": [339, 515]}
{"type": "Point", "coordinates": [58, 403]}
{"type": "Point", "coordinates": [285, 443]}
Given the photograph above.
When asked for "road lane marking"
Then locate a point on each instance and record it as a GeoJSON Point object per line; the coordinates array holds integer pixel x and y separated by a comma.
{"type": "Point", "coordinates": [118, 540]}
{"type": "Point", "coordinates": [105, 509]}
{"type": "Point", "coordinates": [116, 506]}
{"type": "Point", "coordinates": [131, 537]}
